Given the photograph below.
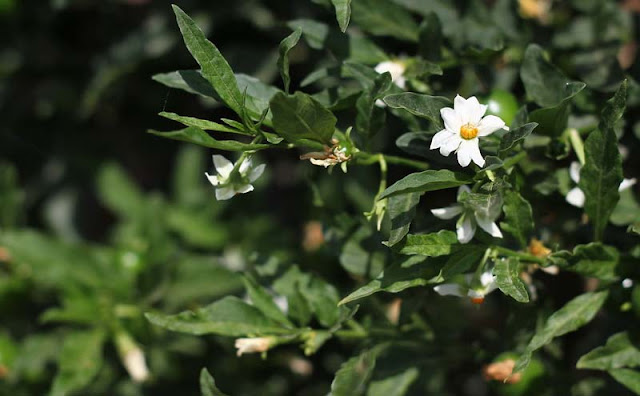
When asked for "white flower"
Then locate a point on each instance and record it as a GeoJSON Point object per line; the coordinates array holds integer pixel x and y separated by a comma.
{"type": "Point", "coordinates": [253, 345]}
{"type": "Point", "coordinates": [229, 183]}
{"type": "Point", "coordinates": [396, 69]}
{"type": "Point", "coordinates": [136, 365]}
{"type": "Point", "coordinates": [476, 294]}
{"type": "Point", "coordinates": [466, 226]}
{"type": "Point", "coordinates": [576, 197]}
{"type": "Point", "coordinates": [463, 126]}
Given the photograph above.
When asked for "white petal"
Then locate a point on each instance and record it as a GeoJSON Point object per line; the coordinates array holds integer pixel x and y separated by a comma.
{"type": "Point", "coordinates": [450, 145]}
{"type": "Point", "coordinates": [460, 105]}
{"type": "Point", "coordinates": [212, 179]}
{"type": "Point", "coordinates": [574, 171]}
{"type": "Point", "coordinates": [626, 184]}
{"type": "Point", "coordinates": [447, 213]}
{"type": "Point", "coordinates": [256, 172]}
{"type": "Point", "coordinates": [489, 125]}
{"type": "Point", "coordinates": [440, 138]}
{"type": "Point", "coordinates": [451, 119]}
{"type": "Point", "coordinates": [224, 193]}
{"type": "Point", "coordinates": [245, 166]}
{"type": "Point", "coordinates": [244, 189]}
{"type": "Point", "coordinates": [476, 110]}
{"type": "Point", "coordinates": [576, 197]}
{"type": "Point", "coordinates": [473, 148]}
{"type": "Point", "coordinates": [489, 226]}
{"type": "Point", "coordinates": [379, 103]}
{"type": "Point", "coordinates": [466, 151]}
{"type": "Point", "coordinates": [486, 279]}
{"type": "Point", "coordinates": [465, 230]}
{"type": "Point", "coordinates": [400, 81]}
{"type": "Point", "coordinates": [463, 189]}
{"type": "Point", "coordinates": [449, 289]}
{"type": "Point", "coordinates": [476, 294]}
{"type": "Point", "coordinates": [223, 166]}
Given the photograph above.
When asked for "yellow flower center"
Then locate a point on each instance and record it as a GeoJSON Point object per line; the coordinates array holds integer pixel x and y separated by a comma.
{"type": "Point", "coordinates": [468, 131]}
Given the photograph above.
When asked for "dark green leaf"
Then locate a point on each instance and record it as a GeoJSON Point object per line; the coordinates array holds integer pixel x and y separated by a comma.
{"type": "Point", "coordinates": [595, 260]}
{"type": "Point", "coordinates": [401, 210]}
{"type": "Point", "coordinates": [299, 116]}
{"type": "Point", "coordinates": [620, 351]}
{"type": "Point", "coordinates": [79, 362]}
{"type": "Point", "coordinates": [518, 217]}
{"type": "Point", "coordinates": [394, 385]}
{"type": "Point", "coordinates": [283, 60]}
{"type": "Point", "coordinates": [575, 314]}
{"type": "Point", "coordinates": [511, 138]}
{"type": "Point", "coordinates": [201, 138]}
{"type": "Point", "coordinates": [354, 374]}
{"type": "Point", "coordinates": [208, 385]}
{"type": "Point", "coordinates": [187, 80]}
{"type": "Point", "coordinates": [507, 273]}
{"type": "Point", "coordinates": [214, 67]}
{"type": "Point", "coordinates": [264, 301]}
{"type": "Point", "coordinates": [343, 13]}
{"type": "Point", "coordinates": [370, 118]}
{"type": "Point", "coordinates": [429, 180]}
{"type": "Point", "coordinates": [421, 105]}
{"type": "Point", "coordinates": [430, 44]}
{"type": "Point", "coordinates": [441, 243]}
{"type": "Point", "coordinates": [615, 107]}
{"type": "Point", "coordinates": [384, 18]}
{"type": "Point", "coordinates": [202, 124]}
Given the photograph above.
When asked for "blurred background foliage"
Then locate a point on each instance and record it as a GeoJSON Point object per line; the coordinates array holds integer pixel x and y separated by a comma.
{"type": "Point", "coordinates": [102, 222]}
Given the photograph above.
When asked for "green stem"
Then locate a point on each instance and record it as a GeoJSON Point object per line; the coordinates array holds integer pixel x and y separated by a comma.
{"type": "Point", "coordinates": [577, 143]}
{"type": "Point", "coordinates": [245, 154]}
{"type": "Point", "coordinates": [364, 158]}
{"type": "Point", "coordinates": [357, 334]}
{"type": "Point", "coordinates": [524, 256]}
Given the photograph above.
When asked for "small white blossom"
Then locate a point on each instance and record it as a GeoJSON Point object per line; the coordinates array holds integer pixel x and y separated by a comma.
{"type": "Point", "coordinates": [229, 183]}
{"type": "Point", "coordinates": [463, 127]}
{"type": "Point", "coordinates": [576, 196]}
{"type": "Point", "coordinates": [136, 365]}
{"type": "Point", "coordinates": [469, 220]}
{"type": "Point", "coordinates": [253, 345]}
{"type": "Point", "coordinates": [476, 294]}
{"type": "Point", "coordinates": [627, 283]}
{"type": "Point", "coordinates": [396, 69]}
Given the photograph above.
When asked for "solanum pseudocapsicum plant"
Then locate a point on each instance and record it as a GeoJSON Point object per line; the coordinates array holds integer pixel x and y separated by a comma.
{"type": "Point", "coordinates": [505, 176]}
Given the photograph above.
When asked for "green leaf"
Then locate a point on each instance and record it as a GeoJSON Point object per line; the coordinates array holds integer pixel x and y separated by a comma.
{"type": "Point", "coordinates": [511, 138]}
{"type": "Point", "coordinates": [401, 210]}
{"type": "Point", "coordinates": [430, 44]}
{"type": "Point", "coordinates": [507, 272]}
{"type": "Point", "coordinates": [394, 385]}
{"type": "Point", "coordinates": [205, 125]}
{"type": "Point", "coordinates": [343, 13]}
{"type": "Point", "coordinates": [79, 362]}
{"type": "Point", "coordinates": [592, 260]}
{"type": "Point", "coordinates": [421, 105]}
{"type": "Point", "coordinates": [283, 60]}
{"type": "Point", "coordinates": [299, 116]}
{"type": "Point", "coordinates": [436, 244]}
{"type": "Point", "coordinates": [187, 80]}
{"type": "Point", "coordinates": [384, 18]}
{"type": "Point", "coordinates": [429, 180]}
{"type": "Point", "coordinates": [354, 374]}
{"type": "Point", "coordinates": [518, 217]}
{"type": "Point", "coordinates": [619, 352]}
{"type": "Point", "coordinates": [197, 136]}
{"type": "Point", "coordinates": [208, 385]}
{"type": "Point", "coordinates": [214, 67]}
{"type": "Point", "coordinates": [371, 118]}
{"type": "Point", "coordinates": [628, 378]}
{"type": "Point", "coordinates": [575, 314]}
{"type": "Point", "coordinates": [615, 107]}
{"type": "Point", "coordinates": [228, 317]}
{"type": "Point", "coordinates": [264, 302]}
{"type": "Point", "coordinates": [362, 253]}
{"type": "Point", "coordinates": [118, 192]}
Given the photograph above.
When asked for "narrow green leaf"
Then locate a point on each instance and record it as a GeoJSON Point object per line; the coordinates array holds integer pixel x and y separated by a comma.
{"type": "Point", "coordinates": [354, 374]}
{"type": "Point", "coordinates": [518, 217]}
{"type": "Point", "coordinates": [436, 244]}
{"type": "Point", "coordinates": [79, 362]}
{"type": "Point", "coordinates": [394, 385]}
{"type": "Point", "coordinates": [615, 107]}
{"type": "Point", "coordinates": [429, 180]}
{"type": "Point", "coordinates": [205, 125]}
{"type": "Point", "coordinates": [343, 13]}
{"type": "Point", "coordinates": [507, 272]}
{"type": "Point", "coordinates": [208, 385]}
{"type": "Point", "coordinates": [264, 301]}
{"type": "Point", "coordinates": [421, 105]}
{"type": "Point", "coordinates": [511, 138]}
{"type": "Point", "coordinates": [214, 67]}
{"type": "Point", "coordinates": [298, 117]}
{"type": "Point", "coordinates": [201, 138]}
{"type": "Point", "coordinates": [187, 80]}
{"type": "Point", "coordinates": [430, 40]}
{"type": "Point", "coordinates": [575, 314]}
{"type": "Point", "coordinates": [628, 378]}
{"type": "Point", "coordinates": [227, 317]}
{"type": "Point", "coordinates": [283, 60]}
{"type": "Point", "coordinates": [384, 18]}
{"type": "Point", "coordinates": [401, 210]}
{"type": "Point", "coordinates": [619, 352]}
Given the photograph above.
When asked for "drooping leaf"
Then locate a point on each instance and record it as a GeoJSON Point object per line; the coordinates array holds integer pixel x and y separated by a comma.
{"type": "Point", "coordinates": [299, 117]}
{"type": "Point", "coordinates": [187, 80]}
{"type": "Point", "coordinates": [283, 60]}
{"type": "Point", "coordinates": [628, 378]}
{"type": "Point", "coordinates": [620, 351]}
{"type": "Point", "coordinates": [429, 180]}
{"type": "Point", "coordinates": [511, 138]}
{"type": "Point", "coordinates": [213, 65]}
{"type": "Point", "coordinates": [435, 244]}
{"type": "Point", "coordinates": [197, 136]}
{"type": "Point", "coordinates": [205, 125]}
{"type": "Point", "coordinates": [507, 273]}
{"type": "Point", "coordinates": [208, 385]}
{"type": "Point", "coordinates": [401, 210]}
{"type": "Point", "coordinates": [228, 317]}
{"type": "Point", "coordinates": [421, 105]}
{"type": "Point", "coordinates": [79, 362]}
{"type": "Point", "coordinates": [573, 315]}
{"type": "Point", "coordinates": [343, 13]}
{"type": "Point", "coordinates": [518, 217]}
{"type": "Point", "coordinates": [384, 18]}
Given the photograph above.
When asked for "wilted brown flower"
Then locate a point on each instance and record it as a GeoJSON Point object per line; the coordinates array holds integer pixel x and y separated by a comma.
{"type": "Point", "coordinates": [501, 371]}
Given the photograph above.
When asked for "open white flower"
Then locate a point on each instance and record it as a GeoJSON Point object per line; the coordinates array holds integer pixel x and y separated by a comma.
{"type": "Point", "coordinates": [469, 220]}
{"type": "Point", "coordinates": [229, 183]}
{"type": "Point", "coordinates": [254, 345]}
{"type": "Point", "coordinates": [463, 127]}
{"type": "Point", "coordinates": [396, 68]}
{"type": "Point", "coordinates": [476, 293]}
{"type": "Point", "coordinates": [576, 197]}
